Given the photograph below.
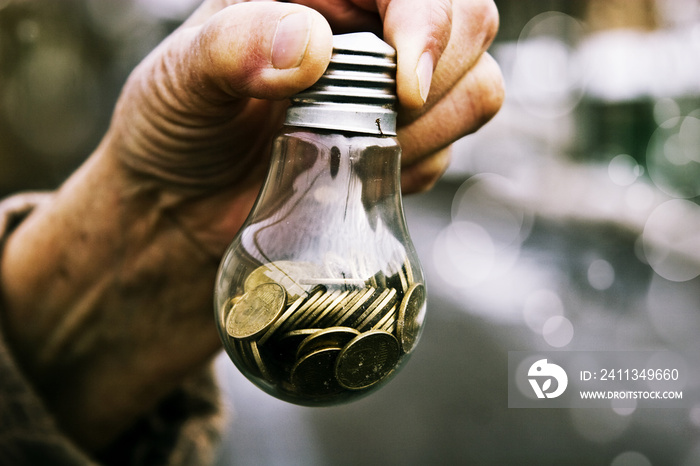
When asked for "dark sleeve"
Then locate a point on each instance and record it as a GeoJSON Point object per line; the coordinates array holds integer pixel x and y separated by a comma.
{"type": "Point", "coordinates": [183, 429]}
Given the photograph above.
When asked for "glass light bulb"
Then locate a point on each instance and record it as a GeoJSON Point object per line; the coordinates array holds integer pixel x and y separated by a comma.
{"type": "Point", "coordinates": [320, 298]}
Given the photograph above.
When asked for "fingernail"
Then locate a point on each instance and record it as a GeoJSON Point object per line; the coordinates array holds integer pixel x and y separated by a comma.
{"type": "Point", "coordinates": [291, 40]}
{"type": "Point", "coordinates": [424, 71]}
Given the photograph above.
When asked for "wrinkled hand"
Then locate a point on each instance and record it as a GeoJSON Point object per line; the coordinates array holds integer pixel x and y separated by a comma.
{"type": "Point", "coordinates": [199, 113]}
{"type": "Point", "coordinates": [115, 272]}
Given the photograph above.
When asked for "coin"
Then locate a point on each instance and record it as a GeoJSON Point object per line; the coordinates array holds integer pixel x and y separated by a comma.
{"type": "Point", "coordinates": [332, 313]}
{"type": "Point", "coordinates": [245, 356]}
{"type": "Point", "coordinates": [302, 332]}
{"type": "Point", "coordinates": [407, 324]}
{"type": "Point", "coordinates": [314, 295]}
{"type": "Point", "coordinates": [315, 310]}
{"type": "Point", "coordinates": [256, 311]}
{"type": "Point", "coordinates": [282, 319]}
{"type": "Point", "coordinates": [380, 279]}
{"type": "Point", "coordinates": [387, 320]}
{"type": "Point", "coordinates": [403, 279]}
{"type": "Point", "coordinates": [367, 359]}
{"type": "Point", "coordinates": [376, 301]}
{"type": "Point", "coordinates": [227, 308]}
{"type": "Point", "coordinates": [354, 307]}
{"type": "Point", "coordinates": [408, 270]}
{"type": "Point", "coordinates": [302, 317]}
{"type": "Point", "coordinates": [313, 374]}
{"type": "Point", "coordinates": [318, 316]}
{"type": "Point", "coordinates": [332, 337]}
{"type": "Point", "coordinates": [389, 325]}
{"type": "Point", "coordinates": [257, 358]}
{"type": "Point", "coordinates": [382, 308]}
{"type": "Point", "coordinates": [284, 273]}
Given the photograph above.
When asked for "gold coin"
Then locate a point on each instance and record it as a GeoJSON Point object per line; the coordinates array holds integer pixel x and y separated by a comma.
{"type": "Point", "coordinates": [371, 282]}
{"type": "Point", "coordinates": [256, 311]}
{"type": "Point", "coordinates": [332, 337]}
{"type": "Point", "coordinates": [314, 295]}
{"type": "Point", "coordinates": [313, 374]}
{"type": "Point", "coordinates": [285, 273]}
{"type": "Point", "coordinates": [301, 317]}
{"type": "Point", "coordinates": [318, 316]}
{"type": "Point", "coordinates": [408, 324]}
{"type": "Point", "coordinates": [257, 358]}
{"type": "Point", "coordinates": [380, 310]}
{"type": "Point", "coordinates": [286, 344]}
{"type": "Point", "coordinates": [387, 319]}
{"type": "Point", "coordinates": [227, 308]}
{"type": "Point", "coordinates": [367, 359]}
{"type": "Point", "coordinates": [282, 319]}
{"type": "Point", "coordinates": [377, 299]}
{"type": "Point", "coordinates": [332, 314]}
{"type": "Point", "coordinates": [403, 279]}
{"type": "Point", "coordinates": [245, 357]}
{"type": "Point", "coordinates": [320, 305]}
{"type": "Point", "coordinates": [380, 279]}
{"type": "Point", "coordinates": [345, 314]}
{"type": "Point", "coordinates": [389, 325]}
{"type": "Point", "coordinates": [302, 332]}
{"type": "Point", "coordinates": [409, 272]}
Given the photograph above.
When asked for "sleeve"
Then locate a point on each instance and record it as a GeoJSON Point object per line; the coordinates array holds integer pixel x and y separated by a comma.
{"type": "Point", "coordinates": [183, 429]}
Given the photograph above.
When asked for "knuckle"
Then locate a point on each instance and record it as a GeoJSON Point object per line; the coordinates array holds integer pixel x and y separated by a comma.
{"type": "Point", "coordinates": [422, 176]}
{"type": "Point", "coordinates": [481, 16]}
{"type": "Point", "coordinates": [494, 94]}
{"type": "Point", "coordinates": [440, 15]}
{"type": "Point", "coordinates": [491, 22]}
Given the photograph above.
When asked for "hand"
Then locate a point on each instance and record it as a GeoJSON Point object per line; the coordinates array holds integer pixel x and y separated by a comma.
{"type": "Point", "coordinates": [116, 272]}
{"type": "Point", "coordinates": [222, 75]}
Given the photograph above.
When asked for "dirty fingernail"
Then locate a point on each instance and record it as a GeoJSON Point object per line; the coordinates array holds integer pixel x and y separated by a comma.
{"type": "Point", "coordinates": [424, 71]}
{"type": "Point", "coordinates": [291, 40]}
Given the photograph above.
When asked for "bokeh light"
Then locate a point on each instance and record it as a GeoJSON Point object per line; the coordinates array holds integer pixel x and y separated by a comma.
{"type": "Point", "coordinates": [492, 201]}
{"type": "Point", "coordinates": [631, 458]}
{"type": "Point", "coordinates": [671, 240]}
{"type": "Point", "coordinates": [672, 157]}
{"type": "Point", "coordinates": [558, 331]}
{"type": "Point", "coordinates": [539, 307]}
{"type": "Point", "coordinates": [624, 170]}
{"type": "Point", "coordinates": [601, 274]}
{"type": "Point", "coordinates": [547, 77]}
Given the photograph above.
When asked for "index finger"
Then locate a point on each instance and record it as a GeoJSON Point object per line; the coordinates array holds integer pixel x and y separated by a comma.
{"type": "Point", "coordinates": [419, 30]}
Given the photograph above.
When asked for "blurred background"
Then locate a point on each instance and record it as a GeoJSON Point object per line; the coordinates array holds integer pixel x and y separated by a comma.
{"type": "Point", "coordinates": [569, 222]}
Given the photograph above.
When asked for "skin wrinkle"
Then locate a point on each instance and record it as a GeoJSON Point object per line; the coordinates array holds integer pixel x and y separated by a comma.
{"type": "Point", "coordinates": [463, 119]}
{"type": "Point", "coordinates": [426, 172]}
{"type": "Point", "coordinates": [438, 39]}
{"type": "Point", "coordinates": [73, 324]}
{"type": "Point", "coordinates": [154, 217]}
{"type": "Point", "coordinates": [166, 93]}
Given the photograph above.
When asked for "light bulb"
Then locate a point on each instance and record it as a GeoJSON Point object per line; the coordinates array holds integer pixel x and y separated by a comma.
{"type": "Point", "coordinates": [320, 298]}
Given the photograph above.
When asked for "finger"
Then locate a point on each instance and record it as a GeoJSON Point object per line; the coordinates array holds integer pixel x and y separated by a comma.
{"type": "Point", "coordinates": [191, 94]}
{"type": "Point", "coordinates": [475, 24]}
{"type": "Point", "coordinates": [422, 175]}
{"type": "Point", "coordinates": [206, 10]}
{"type": "Point", "coordinates": [466, 107]}
{"type": "Point", "coordinates": [263, 50]}
{"type": "Point", "coordinates": [420, 31]}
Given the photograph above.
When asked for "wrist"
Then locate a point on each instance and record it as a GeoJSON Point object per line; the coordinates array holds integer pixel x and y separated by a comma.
{"type": "Point", "coordinates": [108, 302]}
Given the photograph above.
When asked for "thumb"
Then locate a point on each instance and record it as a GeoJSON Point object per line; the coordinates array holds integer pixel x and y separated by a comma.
{"type": "Point", "coordinates": [263, 50]}
{"type": "Point", "coordinates": [207, 88]}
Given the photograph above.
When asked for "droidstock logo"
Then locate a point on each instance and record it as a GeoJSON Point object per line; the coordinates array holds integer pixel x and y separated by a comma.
{"type": "Point", "coordinates": [540, 376]}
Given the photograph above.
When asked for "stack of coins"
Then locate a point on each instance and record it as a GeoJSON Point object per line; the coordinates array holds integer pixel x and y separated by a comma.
{"type": "Point", "coordinates": [320, 337]}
